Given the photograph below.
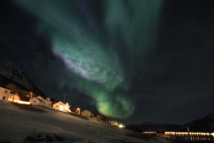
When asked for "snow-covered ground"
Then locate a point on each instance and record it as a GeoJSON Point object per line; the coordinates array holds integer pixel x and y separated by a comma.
{"type": "Point", "coordinates": [30, 124]}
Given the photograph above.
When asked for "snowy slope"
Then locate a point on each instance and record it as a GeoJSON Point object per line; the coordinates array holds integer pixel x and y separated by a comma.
{"type": "Point", "coordinates": [37, 124]}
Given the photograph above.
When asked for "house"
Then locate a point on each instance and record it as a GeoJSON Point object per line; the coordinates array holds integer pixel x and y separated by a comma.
{"type": "Point", "coordinates": [75, 110]}
{"type": "Point", "coordinates": [62, 106]}
{"type": "Point", "coordinates": [37, 101]}
{"type": "Point", "coordinates": [4, 93]}
{"type": "Point", "coordinates": [47, 102]}
{"type": "Point", "coordinates": [19, 95]}
{"type": "Point", "coordinates": [115, 123]}
{"type": "Point", "coordinates": [17, 99]}
{"type": "Point", "coordinates": [99, 117]}
{"type": "Point", "coordinates": [13, 97]}
{"type": "Point", "coordinates": [105, 119]}
{"type": "Point", "coordinates": [41, 101]}
{"type": "Point", "coordinates": [87, 113]}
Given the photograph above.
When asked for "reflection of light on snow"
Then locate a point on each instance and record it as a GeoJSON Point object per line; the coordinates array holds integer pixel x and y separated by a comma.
{"type": "Point", "coordinates": [19, 101]}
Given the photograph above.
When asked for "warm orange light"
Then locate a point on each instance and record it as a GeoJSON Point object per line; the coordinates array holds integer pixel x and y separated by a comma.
{"type": "Point", "coordinates": [149, 132]}
{"type": "Point", "coordinates": [190, 133]}
{"type": "Point", "coordinates": [78, 110]}
{"type": "Point", "coordinates": [19, 101]}
{"type": "Point", "coordinates": [121, 126]}
{"type": "Point", "coordinates": [60, 107]}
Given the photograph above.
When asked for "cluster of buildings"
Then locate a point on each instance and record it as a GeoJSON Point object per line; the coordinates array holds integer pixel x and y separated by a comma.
{"type": "Point", "coordinates": [97, 116]}
{"type": "Point", "coordinates": [11, 93]}
{"type": "Point", "coordinates": [183, 136]}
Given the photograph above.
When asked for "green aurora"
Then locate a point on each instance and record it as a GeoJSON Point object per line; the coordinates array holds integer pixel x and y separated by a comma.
{"type": "Point", "coordinates": [102, 52]}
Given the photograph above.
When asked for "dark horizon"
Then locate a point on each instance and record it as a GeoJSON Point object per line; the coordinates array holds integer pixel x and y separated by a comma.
{"type": "Point", "coordinates": [134, 61]}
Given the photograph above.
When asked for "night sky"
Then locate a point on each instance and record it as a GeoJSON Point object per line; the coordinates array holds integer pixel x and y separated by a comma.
{"type": "Point", "coordinates": [133, 60]}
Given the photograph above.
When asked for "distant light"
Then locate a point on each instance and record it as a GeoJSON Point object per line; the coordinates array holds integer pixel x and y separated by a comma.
{"type": "Point", "coordinates": [121, 126]}
{"type": "Point", "coordinates": [149, 132]}
{"type": "Point", "coordinates": [78, 110]}
{"type": "Point", "coordinates": [60, 107]}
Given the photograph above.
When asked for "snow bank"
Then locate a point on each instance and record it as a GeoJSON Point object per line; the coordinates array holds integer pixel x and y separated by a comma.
{"type": "Point", "coordinates": [37, 124]}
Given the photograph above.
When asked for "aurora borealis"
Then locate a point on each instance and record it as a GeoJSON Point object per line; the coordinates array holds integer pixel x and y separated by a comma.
{"type": "Point", "coordinates": [93, 55]}
{"type": "Point", "coordinates": [133, 60]}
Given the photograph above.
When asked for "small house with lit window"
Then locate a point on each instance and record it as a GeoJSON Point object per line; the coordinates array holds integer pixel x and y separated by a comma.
{"type": "Point", "coordinates": [37, 101]}
{"type": "Point", "coordinates": [47, 102]}
{"type": "Point", "coordinates": [86, 113]}
{"type": "Point", "coordinates": [4, 93]}
{"type": "Point", "coordinates": [65, 107]}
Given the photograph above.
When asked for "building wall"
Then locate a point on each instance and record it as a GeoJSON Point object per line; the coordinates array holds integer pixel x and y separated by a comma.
{"type": "Point", "coordinates": [36, 101]}
{"type": "Point", "coordinates": [4, 93]}
{"type": "Point", "coordinates": [58, 105]}
{"type": "Point", "coordinates": [115, 123]}
{"type": "Point", "coordinates": [47, 102]}
{"type": "Point", "coordinates": [62, 106]}
{"type": "Point", "coordinates": [86, 113]}
{"type": "Point", "coordinates": [33, 101]}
